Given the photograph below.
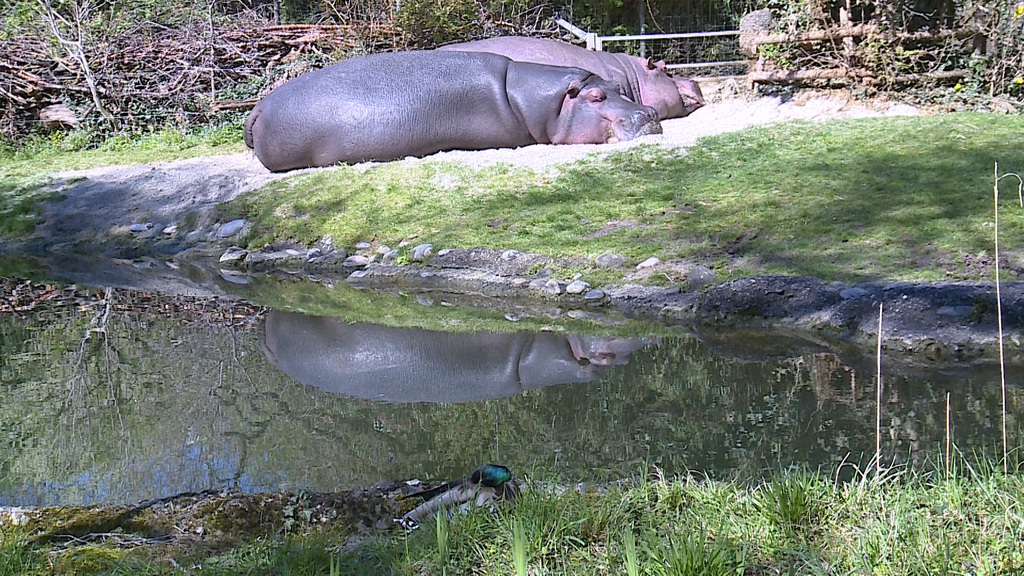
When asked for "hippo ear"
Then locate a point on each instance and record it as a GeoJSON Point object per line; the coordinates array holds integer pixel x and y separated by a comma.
{"type": "Point", "coordinates": [652, 65]}
{"type": "Point", "coordinates": [574, 89]}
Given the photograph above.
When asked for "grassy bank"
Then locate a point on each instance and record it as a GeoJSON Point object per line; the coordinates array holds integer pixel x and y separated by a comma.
{"type": "Point", "coordinates": [890, 198]}
{"type": "Point", "coordinates": [883, 198]}
{"type": "Point", "coordinates": [23, 169]}
{"type": "Point", "coordinates": [796, 523]}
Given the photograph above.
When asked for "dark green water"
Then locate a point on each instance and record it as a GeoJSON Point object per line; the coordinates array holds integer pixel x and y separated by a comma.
{"type": "Point", "coordinates": [166, 403]}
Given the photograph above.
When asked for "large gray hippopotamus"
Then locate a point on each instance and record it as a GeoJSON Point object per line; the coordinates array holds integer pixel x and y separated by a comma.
{"type": "Point", "coordinates": [416, 365]}
{"type": "Point", "coordinates": [397, 104]}
{"type": "Point", "coordinates": [640, 79]}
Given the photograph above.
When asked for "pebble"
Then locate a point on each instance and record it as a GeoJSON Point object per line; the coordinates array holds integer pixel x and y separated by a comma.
{"type": "Point", "coordinates": [229, 229]}
{"type": "Point", "coordinates": [443, 251]}
{"type": "Point", "coordinates": [577, 287]}
{"type": "Point", "coordinates": [389, 255]}
{"type": "Point", "coordinates": [362, 245]}
{"type": "Point", "coordinates": [233, 254]}
{"type": "Point", "coordinates": [594, 295]}
{"type": "Point", "coordinates": [699, 277]}
{"type": "Point", "coordinates": [546, 285]}
{"type": "Point", "coordinates": [510, 254]}
{"type": "Point", "coordinates": [140, 226]}
{"type": "Point", "coordinates": [853, 292]}
{"type": "Point", "coordinates": [422, 252]}
{"type": "Point", "coordinates": [610, 260]}
{"type": "Point", "coordinates": [233, 277]}
{"type": "Point", "coordinates": [652, 261]}
{"type": "Point", "coordinates": [170, 229]}
{"type": "Point", "coordinates": [354, 261]}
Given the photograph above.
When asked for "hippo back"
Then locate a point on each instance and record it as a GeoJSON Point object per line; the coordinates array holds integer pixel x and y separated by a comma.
{"type": "Point", "coordinates": [639, 79]}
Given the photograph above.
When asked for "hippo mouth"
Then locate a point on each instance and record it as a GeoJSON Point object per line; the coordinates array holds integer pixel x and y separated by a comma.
{"type": "Point", "coordinates": [636, 130]}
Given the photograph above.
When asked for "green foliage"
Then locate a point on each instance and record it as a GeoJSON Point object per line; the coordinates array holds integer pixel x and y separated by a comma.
{"type": "Point", "coordinates": [431, 22]}
{"type": "Point", "coordinates": [690, 552]}
{"type": "Point", "coordinates": [16, 17]}
{"type": "Point", "coordinates": [793, 502]}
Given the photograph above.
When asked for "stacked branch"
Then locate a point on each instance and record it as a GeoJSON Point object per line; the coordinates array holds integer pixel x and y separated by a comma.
{"type": "Point", "coordinates": [889, 46]}
{"type": "Point", "coordinates": [139, 76]}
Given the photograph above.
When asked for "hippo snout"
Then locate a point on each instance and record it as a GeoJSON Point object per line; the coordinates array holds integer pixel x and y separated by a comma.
{"type": "Point", "coordinates": [640, 122]}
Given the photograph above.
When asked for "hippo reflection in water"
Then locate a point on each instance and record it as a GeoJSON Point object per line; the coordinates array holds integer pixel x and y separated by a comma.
{"type": "Point", "coordinates": [416, 365]}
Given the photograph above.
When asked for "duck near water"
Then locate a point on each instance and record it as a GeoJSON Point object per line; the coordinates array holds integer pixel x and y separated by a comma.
{"type": "Point", "coordinates": [485, 485]}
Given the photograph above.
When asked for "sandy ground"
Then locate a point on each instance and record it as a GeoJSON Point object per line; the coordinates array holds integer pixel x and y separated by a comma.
{"type": "Point", "coordinates": [106, 200]}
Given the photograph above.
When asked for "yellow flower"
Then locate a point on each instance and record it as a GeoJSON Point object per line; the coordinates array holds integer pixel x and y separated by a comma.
{"type": "Point", "coordinates": [1018, 80]}
{"type": "Point", "coordinates": [1018, 10]}
{"type": "Point", "coordinates": [957, 87]}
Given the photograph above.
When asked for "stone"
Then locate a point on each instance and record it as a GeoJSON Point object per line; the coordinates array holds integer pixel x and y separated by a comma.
{"type": "Point", "coordinates": [263, 261]}
{"type": "Point", "coordinates": [422, 252]}
{"type": "Point", "coordinates": [699, 277]}
{"type": "Point", "coordinates": [233, 255]}
{"type": "Point", "coordinates": [423, 300]}
{"type": "Point", "coordinates": [362, 245]}
{"type": "Point", "coordinates": [444, 251]}
{"type": "Point", "coordinates": [577, 287]}
{"type": "Point", "coordinates": [389, 255]}
{"type": "Point", "coordinates": [383, 249]}
{"type": "Point", "coordinates": [140, 227]}
{"type": "Point", "coordinates": [520, 282]}
{"type": "Point", "coordinates": [170, 229]}
{"type": "Point", "coordinates": [229, 229]}
{"type": "Point", "coordinates": [649, 263]}
{"type": "Point", "coordinates": [853, 292]}
{"type": "Point", "coordinates": [595, 295]}
{"type": "Point", "coordinates": [546, 285]}
{"type": "Point", "coordinates": [233, 277]}
{"type": "Point", "coordinates": [509, 254]}
{"type": "Point", "coordinates": [325, 244]}
{"type": "Point", "coordinates": [355, 261]}
{"type": "Point", "coordinates": [610, 260]}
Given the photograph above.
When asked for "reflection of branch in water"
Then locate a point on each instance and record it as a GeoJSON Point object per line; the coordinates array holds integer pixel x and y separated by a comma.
{"type": "Point", "coordinates": [100, 328]}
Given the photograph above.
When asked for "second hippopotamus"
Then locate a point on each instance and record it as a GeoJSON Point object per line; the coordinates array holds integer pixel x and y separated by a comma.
{"type": "Point", "coordinates": [640, 79]}
{"type": "Point", "coordinates": [397, 104]}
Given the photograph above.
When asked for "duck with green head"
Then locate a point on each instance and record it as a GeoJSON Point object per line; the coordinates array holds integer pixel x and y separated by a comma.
{"type": "Point", "coordinates": [486, 484]}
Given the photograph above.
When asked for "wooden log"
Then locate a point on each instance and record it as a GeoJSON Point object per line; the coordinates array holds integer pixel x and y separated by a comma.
{"type": "Point", "coordinates": [815, 35]}
{"type": "Point", "coordinates": [233, 104]}
{"type": "Point", "coordinates": [858, 31]}
{"type": "Point", "coordinates": [57, 114]}
{"type": "Point", "coordinates": [866, 76]}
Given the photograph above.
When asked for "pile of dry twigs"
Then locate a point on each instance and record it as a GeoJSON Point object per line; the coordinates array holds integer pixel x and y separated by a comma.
{"type": "Point", "coordinates": [183, 73]}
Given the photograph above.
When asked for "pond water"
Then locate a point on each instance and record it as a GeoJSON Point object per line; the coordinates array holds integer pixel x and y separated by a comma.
{"type": "Point", "coordinates": [149, 397]}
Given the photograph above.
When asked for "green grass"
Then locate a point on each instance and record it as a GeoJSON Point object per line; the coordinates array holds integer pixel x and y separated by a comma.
{"type": "Point", "coordinates": [898, 523]}
{"type": "Point", "coordinates": [22, 169]}
{"type": "Point", "coordinates": [890, 198]}
{"type": "Point", "coordinates": [876, 198]}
